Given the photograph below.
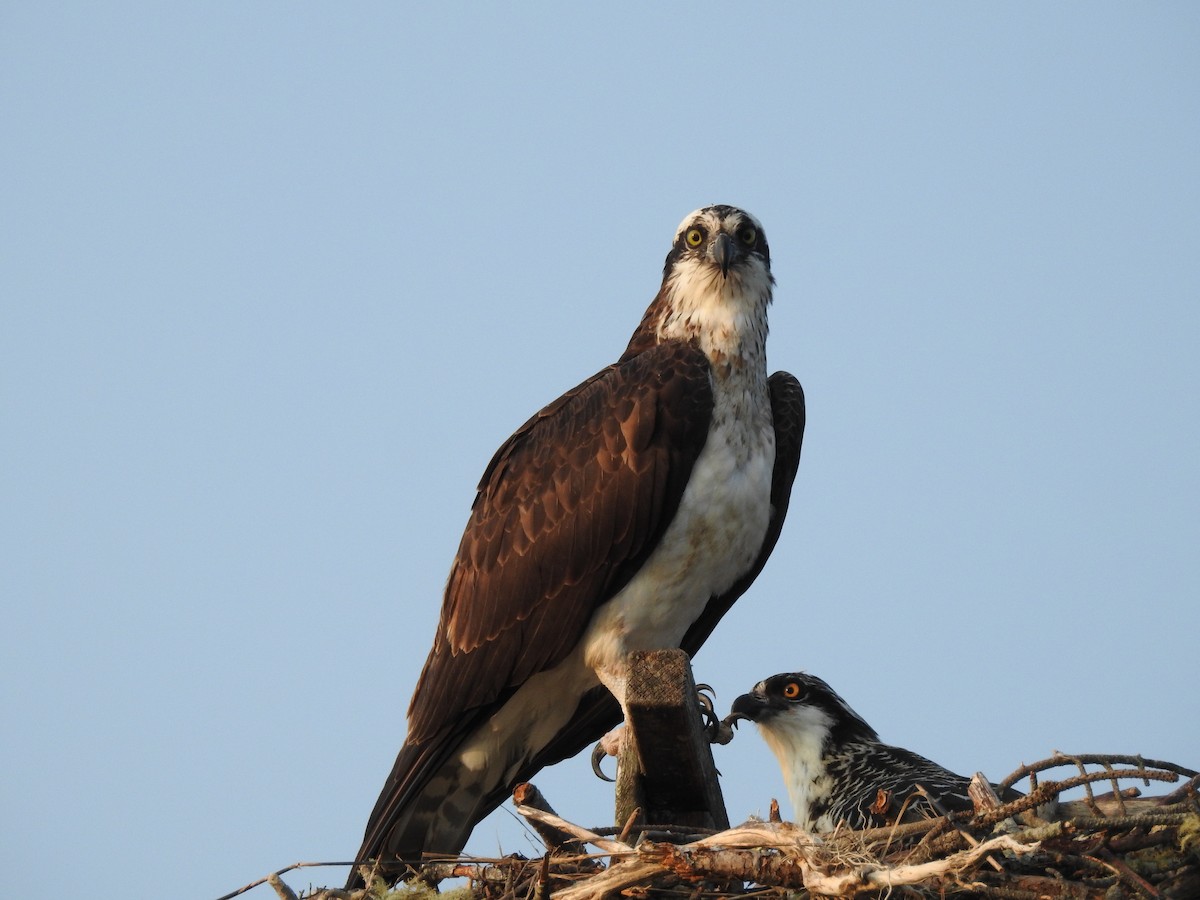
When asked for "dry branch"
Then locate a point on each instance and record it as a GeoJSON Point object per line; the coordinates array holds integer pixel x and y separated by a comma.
{"type": "Point", "coordinates": [1103, 847]}
{"type": "Point", "coordinates": [778, 855]}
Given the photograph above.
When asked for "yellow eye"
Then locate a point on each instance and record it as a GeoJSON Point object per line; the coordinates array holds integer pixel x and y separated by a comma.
{"type": "Point", "coordinates": [791, 690]}
{"type": "Point", "coordinates": [748, 235]}
{"type": "Point", "coordinates": [694, 237]}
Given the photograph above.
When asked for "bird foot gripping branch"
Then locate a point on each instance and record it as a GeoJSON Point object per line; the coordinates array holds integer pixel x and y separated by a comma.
{"type": "Point", "coordinates": [716, 731]}
{"type": "Point", "coordinates": [666, 767]}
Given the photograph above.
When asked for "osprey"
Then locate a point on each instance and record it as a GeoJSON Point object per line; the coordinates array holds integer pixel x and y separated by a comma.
{"type": "Point", "coordinates": [629, 514]}
{"type": "Point", "coordinates": [836, 768]}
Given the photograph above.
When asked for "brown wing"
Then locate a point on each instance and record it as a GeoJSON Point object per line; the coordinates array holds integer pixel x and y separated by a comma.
{"type": "Point", "coordinates": [598, 711]}
{"type": "Point", "coordinates": [567, 510]}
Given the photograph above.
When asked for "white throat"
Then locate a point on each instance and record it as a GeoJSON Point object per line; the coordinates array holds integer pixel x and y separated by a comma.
{"type": "Point", "coordinates": [727, 315]}
{"type": "Point", "coordinates": [797, 737]}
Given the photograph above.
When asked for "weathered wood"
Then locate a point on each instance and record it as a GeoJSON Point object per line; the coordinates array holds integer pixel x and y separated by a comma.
{"type": "Point", "coordinates": [982, 794]}
{"type": "Point", "coordinates": [526, 796]}
{"type": "Point", "coordinates": [666, 766]}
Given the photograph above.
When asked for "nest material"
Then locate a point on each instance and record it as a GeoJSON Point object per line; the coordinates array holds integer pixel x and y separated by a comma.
{"type": "Point", "coordinates": [1103, 847]}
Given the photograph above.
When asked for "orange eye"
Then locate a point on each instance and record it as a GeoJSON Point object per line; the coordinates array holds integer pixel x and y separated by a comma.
{"type": "Point", "coordinates": [791, 690]}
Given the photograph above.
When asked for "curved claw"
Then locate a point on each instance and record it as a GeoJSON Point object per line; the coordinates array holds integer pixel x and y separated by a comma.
{"type": "Point", "coordinates": [707, 710]}
{"type": "Point", "coordinates": [731, 720]}
{"type": "Point", "coordinates": [598, 754]}
{"type": "Point", "coordinates": [722, 731]}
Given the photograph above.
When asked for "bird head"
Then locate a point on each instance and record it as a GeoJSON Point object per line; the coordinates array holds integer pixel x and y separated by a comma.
{"type": "Point", "coordinates": [716, 287]}
{"type": "Point", "coordinates": [798, 707]}
{"type": "Point", "coordinates": [720, 241]}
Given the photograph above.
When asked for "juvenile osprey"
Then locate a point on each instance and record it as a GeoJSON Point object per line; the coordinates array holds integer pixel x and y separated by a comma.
{"type": "Point", "coordinates": [836, 768]}
{"type": "Point", "coordinates": [629, 514]}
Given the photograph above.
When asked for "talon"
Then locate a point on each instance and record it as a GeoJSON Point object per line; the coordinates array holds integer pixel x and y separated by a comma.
{"type": "Point", "coordinates": [732, 720]}
{"type": "Point", "coordinates": [722, 732]}
{"type": "Point", "coordinates": [708, 712]}
{"type": "Point", "coordinates": [598, 754]}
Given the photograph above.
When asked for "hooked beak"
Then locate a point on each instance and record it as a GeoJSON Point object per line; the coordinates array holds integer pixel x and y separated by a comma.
{"type": "Point", "coordinates": [747, 706]}
{"type": "Point", "coordinates": [722, 253]}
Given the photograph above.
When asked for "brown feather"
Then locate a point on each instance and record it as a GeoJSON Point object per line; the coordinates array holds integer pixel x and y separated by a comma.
{"type": "Point", "coordinates": [624, 441]}
{"type": "Point", "coordinates": [566, 512]}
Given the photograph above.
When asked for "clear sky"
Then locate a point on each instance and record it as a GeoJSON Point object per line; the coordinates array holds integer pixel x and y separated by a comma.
{"type": "Point", "coordinates": [277, 278]}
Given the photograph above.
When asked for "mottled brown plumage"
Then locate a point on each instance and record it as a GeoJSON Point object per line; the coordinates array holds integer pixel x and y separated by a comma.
{"type": "Point", "coordinates": [618, 448]}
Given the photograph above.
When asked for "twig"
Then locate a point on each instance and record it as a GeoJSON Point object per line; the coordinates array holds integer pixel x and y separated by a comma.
{"type": "Point", "coordinates": [967, 836]}
{"type": "Point", "coordinates": [1125, 873]}
{"type": "Point", "coordinates": [284, 892]}
{"type": "Point", "coordinates": [623, 836]}
{"type": "Point", "coordinates": [983, 795]}
{"type": "Point", "coordinates": [782, 856]}
{"type": "Point", "coordinates": [495, 871]}
{"type": "Point", "coordinates": [1061, 759]}
{"type": "Point", "coordinates": [579, 834]}
{"type": "Point", "coordinates": [526, 794]}
{"type": "Point", "coordinates": [1146, 819]}
{"type": "Point", "coordinates": [266, 879]}
{"type": "Point", "coordinates": [1049, 790]}
{"type": "Point", "coordinates": [1187, 789]}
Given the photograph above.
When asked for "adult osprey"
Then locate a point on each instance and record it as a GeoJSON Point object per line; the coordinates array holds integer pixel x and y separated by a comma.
{"type": "Point", "coordinates": [835, 767]}
{"type": "Point", "coordinates": [627, 515]}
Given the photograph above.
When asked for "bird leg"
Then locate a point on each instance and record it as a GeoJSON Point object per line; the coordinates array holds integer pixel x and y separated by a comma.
{"type": "Point", "coordinates": [717, 730]}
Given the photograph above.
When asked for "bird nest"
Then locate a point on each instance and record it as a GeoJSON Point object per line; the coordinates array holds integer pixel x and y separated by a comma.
{"type": "Point", "coordinates": [1111, 845]}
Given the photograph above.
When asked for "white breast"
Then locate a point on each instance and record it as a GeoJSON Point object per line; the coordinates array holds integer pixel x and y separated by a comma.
{"type": "Point", "coordinates": [713, 540]}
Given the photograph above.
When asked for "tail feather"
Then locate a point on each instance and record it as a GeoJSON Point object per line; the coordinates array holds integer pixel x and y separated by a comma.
{"type": "Point", "coordinates": [425, 809]}
{"type": "Point", "coordinates": [431, 801]}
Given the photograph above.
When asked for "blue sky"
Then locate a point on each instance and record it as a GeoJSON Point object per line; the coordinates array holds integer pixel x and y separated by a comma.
{"type": "Point", "coordinates": [278, 278]}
